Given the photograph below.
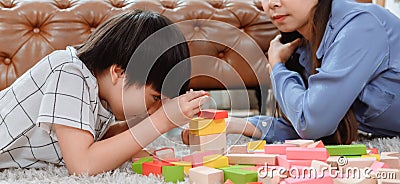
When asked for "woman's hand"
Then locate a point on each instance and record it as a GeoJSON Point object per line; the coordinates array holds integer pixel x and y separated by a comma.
{"type": "Point", "coordinates": [279, 52]}
{"type": "Point", "coordinates": [180, 110]}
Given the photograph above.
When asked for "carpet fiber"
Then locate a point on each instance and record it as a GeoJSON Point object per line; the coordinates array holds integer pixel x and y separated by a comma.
{"type": "Point", "coordinates": [124, 174]}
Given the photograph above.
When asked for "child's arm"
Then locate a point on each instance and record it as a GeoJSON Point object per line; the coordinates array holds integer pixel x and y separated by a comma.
{"type": "Point", "coordinates": [82, 155]}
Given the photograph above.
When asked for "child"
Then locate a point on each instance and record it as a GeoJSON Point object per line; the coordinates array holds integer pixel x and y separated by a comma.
{"type": "Point", "coordinates": [60, 111]}
{"type": "Point", "coordinates": [349, 77]}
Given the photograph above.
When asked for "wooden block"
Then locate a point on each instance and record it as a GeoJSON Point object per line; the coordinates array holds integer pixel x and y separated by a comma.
{"type": "Point", "coordinates": [347, 150]}
{"type": "Point", "coordinates": [312, 180]}
{"type": "Point", "coordinates": [164, 153]}
{"type": "Point", "coordinates": [376, 156]}
{"type": "Point", "coordinates": [286, 163]}
{"type": "Point", "coordinates": [241, 176]}
{"type": "Point", "coordinates": [300, 153]}
{"type": "Point", "coordinates": [372, 151]}
{"type": "Point", "coordinates": [388, 173]}
{"type": "Point", "coordinates": [378, 165]}
{"type": "Point", "coordinates": [207, 142]}
{"type": "Point", "coordinates": [239, 149]}
{"type": "Point", "coordinates": [256, 159]}
{"type": "Point", "coordinates": [228, 182]}
{"type": "Point", "coordinates": [319, 166]}
{"type": "Point", "coordinates": [318, 144]}
{"type": "Point", "coordinates": [388, 181]}
{"type": "Point", "coordinates": [358, 163]}
{"type": "Point", "coordinates": [153, 168]}
{"type": "Point", "coordinates": [173, 173]}
{"type": "Point", "coordinates": [213, 114]}
{"type": "Point", "coordinates": [137, 165]}
{"type": "Point", "coordinates": [391, 159]}
{"type": "Point", "coordinates": [270, 177]}
{"type": "Point", "coordinates": [145, 152]}
{"type": "Point", "coordinates": [205, 175]}
{"type": "Point", "coordinates": [186, 166]}
{"type": "Point", "coordinates": [256, 145]}
{"type": "Point", "coordinates": [200, 126]}
{"type": "Point", "coordinates": [355, 180]}
{"type": "Point", "coordinates": [215, 161]}
{"type": "Point", "coordinates": [277, 148]}
{"type": "Point", "coordinates": [299, 142]}
{"type": "Point", "coordinates": [333, 161]}
{"type": "Point", "coordinates": [197, 158]}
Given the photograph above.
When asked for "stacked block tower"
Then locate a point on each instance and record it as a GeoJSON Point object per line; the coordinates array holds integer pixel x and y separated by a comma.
{"type": "Point", "coordinates": [208, 131]}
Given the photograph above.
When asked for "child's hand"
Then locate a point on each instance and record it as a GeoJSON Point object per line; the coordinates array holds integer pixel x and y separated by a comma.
{"type": "Point", "coordinates": [185, 136]}
{"type": "Point", "coordinates": [180, 110]}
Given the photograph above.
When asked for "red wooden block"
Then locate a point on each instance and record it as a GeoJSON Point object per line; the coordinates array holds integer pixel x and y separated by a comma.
{"type": "Point", "coordinates": [277, 148]}
{"type": "Point", "coordinates": [299, 153]}
{"type": "Point", "coordinates": [154, 168]}
{"type": "Point", "coordinates": [228, 181]}
{"type": "Point", "coordinates": [372, 151]}
{"type": "Point", "coordinates": [213, 114]}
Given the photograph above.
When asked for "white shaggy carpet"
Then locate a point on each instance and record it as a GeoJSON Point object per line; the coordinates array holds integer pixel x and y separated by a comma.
{"type": "Point", "coordinates": [124, 174]}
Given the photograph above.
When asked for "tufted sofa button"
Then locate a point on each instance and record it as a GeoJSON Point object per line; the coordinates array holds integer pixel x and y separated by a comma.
{"type": "Point", "coordinates": [7, 61]}
{"type": "Point", "coordinates": [92, 29]}
{"type": "Point", "coordinates": [221, 55]}
{"type": "Point", "coordinates": [196, 28]}
{"type": "Point", "coordinates": [36, 30]}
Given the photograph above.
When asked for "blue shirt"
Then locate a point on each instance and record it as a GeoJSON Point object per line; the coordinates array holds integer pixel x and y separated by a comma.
{"type": "Point", "coordinates": [360, 54]}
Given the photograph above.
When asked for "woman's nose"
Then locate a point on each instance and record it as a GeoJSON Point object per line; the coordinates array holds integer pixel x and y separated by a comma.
{"type": "Point", "coordinates": [274, 3]}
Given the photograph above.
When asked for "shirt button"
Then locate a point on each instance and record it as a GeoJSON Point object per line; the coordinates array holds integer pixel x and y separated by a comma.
{"type": "Point", "coordinates": [264, 123]}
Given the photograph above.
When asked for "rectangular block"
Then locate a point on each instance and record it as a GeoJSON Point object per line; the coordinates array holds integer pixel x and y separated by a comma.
{"type": "Point", "coordinates": [173, 173]}
{"type": "Point", "coordinates": [256, 145]}
{"type": "Point", "coordinates": [324, 180]}
{"type": "Point", "coordinates": [286, 163]}
{"type": "Point", "coordinates": [241, 176]}
{"type": "Point", "coordinates": [355, 180]}
{"type": "Point", "coordinates": [197, 158]}
{"type": "Point", "coordinates": [347, 150]}
{"type": "Point", "coordinates": [153, 168]}
{"type": "Point", "coordinates": [372, 151]}
{"type": "Point", "coordinates": [358, 162]}
{"type": "Point", "coordinates": [277, 148]}
{"type": "Point", "coordinates": [270, 177]}
{"type": "Point", "coordinates": [200, 126]}
{"type": "Point", "coordinates": [164, 153]}
{"type": "Point", "coordinates": [378, 165]}
{"type": "Point", "coordinates": [300, 153]}
{"type": "Point", "coordinates": [207, 142]}
{"type": "Point", "coordinates": [213, 114]}
{"type": "Point", "coordinates": [137, 165]}
{"type": "Point", "coordinates": [318, 144]}
{"type": "Point", "coordinates": [215, 161]}
{"type": "Point", "coordinates": [389, 173]}
{"type": "Point", "coordinates": [319, 166]}
{"type": "Point", "coordinates": [299, 142]}
{"type": "Point", "coordinates": [256, 159]}
{"type": "Point", "coordinates": [186, 166]}
{"type": "Point", "coordinates": [391, 159]}
{"type": "Point", "coordinates": [238, 149]}
{"type": "Point", "coordinates": [376, 156]}
{"type": "Point", "coordinates": [205, 175]}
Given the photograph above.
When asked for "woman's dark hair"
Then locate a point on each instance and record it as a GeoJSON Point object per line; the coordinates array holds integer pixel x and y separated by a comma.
{"type": "Point", "coordinates": [116, 40]}
{"type": "Point", "coordinates": [346, 131]}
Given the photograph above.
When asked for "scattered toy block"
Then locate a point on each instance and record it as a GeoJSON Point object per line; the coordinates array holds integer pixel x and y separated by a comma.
{"type": "Point", "coordinates": [347, 150]}
{"type": "Point", "coordinates": [213, 114]}
{"type": "Point", "coordinates": [319, 166]}
{"type": "Point", "coordinates": [279, 149]}
{"type": "Point", "coordinates": [200, 126]}
{"type": "Point", "coordinates": [186, 166]}
{"type": "Point", "coordinates": [300, 153]}
{"type": "Point", "coordinates": [137, 165]}
{"type": "Point", "coordinates": [389, 173]}
{"type": "Point", "coordinates": [207, 142]}
{"type": "Point", "coordinates": [326, 179]}
{"type": "Point", "coordinates": [145, 152]}
{"type": "Point", "coordinates": [318, 144]}
{"type": "Point", "coordinates": [256, 159]}
{"type": "Point", "coordinates": [372, 151]}
{"type": "Point", "coordinates": [197, 158]}
{"type": "Point", "coordinates": [256, 145]}
{"type": "Point", "coordinates": [238, 149]}
{"type": "Point", "coordinates": [356, 179]}
{"type": "Point", "coordinates": [378, 165]}
{"type": "Point", "coordinates": [153, 168]}
{"type": "Point", "coordinates": [215, 161]}
{"type": "Point", "coordinates": [358, 163]}
{"type": "Point", "coordinates": [241, 176]}
{"type": "Point", "coordinates": [388, 181]}
{"type": "Point", "coordinates": [173, 173]}
{"type": "Point", "coordinates": [286, 163]}
{"type": "Point", "coordinates": [164, 153]}
{"type": "Point", "coordinates": [391, 159]}
{"type": "Point", "coordinates": [299, 142]}
{"type": "Point", "coordinates": [228, 182]}
{"type": "Point", "coordinates": [270, 177]}
{"type": "Point", "coordinates": [205, 175]}
{"type": "Point", "coordinates": [333, 161]}
{"type": "Point", "coordinates": [376, 156]}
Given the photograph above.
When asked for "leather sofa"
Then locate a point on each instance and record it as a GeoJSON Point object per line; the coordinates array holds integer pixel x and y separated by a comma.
{"type": "Point", "coordinates": [227, 38]}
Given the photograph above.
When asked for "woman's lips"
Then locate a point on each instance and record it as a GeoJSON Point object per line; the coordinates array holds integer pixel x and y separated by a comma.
{"type": "Point", "coordinates": [279, 18]}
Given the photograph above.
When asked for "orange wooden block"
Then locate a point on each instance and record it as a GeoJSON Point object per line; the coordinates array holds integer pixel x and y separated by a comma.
{"type": "Point", "coordinates": [154, 168]}
{"type": "Point", "coordinates": [213, 114]}
{"type": "Point", "coordinates": [372, 151]}
{"type": "Point", "coordinates": [255, 159]}
{"type": "Point", "coordinates": [277, 148]}
{"type": "Point", "coordinates": [300, 153]}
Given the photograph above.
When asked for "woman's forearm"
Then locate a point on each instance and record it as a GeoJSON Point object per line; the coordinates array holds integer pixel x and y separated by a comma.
{"type": "Point", "coordinates": [242, 126]}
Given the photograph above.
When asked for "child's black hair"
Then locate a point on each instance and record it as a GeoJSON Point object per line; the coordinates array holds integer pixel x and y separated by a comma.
{"type": "Point", "coordinates": [116, 40]}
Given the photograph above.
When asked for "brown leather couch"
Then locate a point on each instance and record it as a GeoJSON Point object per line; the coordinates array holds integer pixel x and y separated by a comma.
{"type": "Point", "coordinates": [227, 38]}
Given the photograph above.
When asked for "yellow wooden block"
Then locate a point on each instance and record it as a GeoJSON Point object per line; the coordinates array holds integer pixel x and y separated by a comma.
{"type": "Point", "coordinates": [377, 156]}
{"type": "Point", "coordinates": [215, 161]}
{"type": "Point", "coordinates": [201, 126]}
{"type": "Point", "coordinates": [186, 166]}
{"type": "Point", "coordinates": [256, 145]}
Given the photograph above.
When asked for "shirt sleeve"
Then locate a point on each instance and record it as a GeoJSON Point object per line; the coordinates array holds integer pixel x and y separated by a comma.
{"type": "Point", "coordinates": [348, 64]}
{"type": "Point", "coordinates": [66, 101]}
{"type": "Point", "coordinates": [273, 129]}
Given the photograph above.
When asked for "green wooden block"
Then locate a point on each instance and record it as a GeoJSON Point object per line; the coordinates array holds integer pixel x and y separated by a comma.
{"type": "Point", "coordinates": [347, 150]}
{"type": "Point", "coordinates": [353, 156]}
{"type": "Point", "coordinates": [234, 167]}
{"type": "Point", "coordinates": [240, 176]}
{"type": "Point", "coordinates": [173, 173]}
{"type": "Point", "coordinates": [137, 166]}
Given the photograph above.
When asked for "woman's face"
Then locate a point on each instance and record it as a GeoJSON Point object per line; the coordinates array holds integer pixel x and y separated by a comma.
{"type": "Point", "coordinates": [289, 15]}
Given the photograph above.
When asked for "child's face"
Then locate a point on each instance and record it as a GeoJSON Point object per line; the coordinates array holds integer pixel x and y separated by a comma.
{"type": "Point", "coordinates": [289, 15]}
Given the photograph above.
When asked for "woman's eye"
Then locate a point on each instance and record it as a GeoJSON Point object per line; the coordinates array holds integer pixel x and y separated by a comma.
{"type": "Point", "coordinates": [156, 98]}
